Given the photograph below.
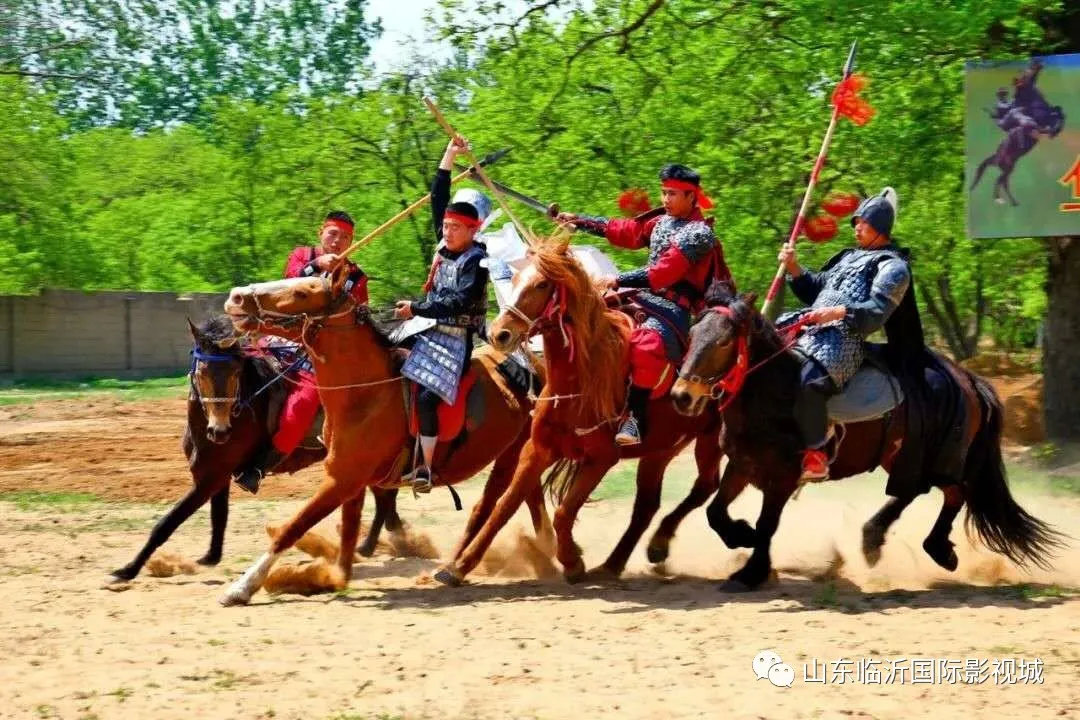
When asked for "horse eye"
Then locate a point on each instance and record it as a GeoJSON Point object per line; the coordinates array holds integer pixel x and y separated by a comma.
{"type": "Point", "coordinates": [543, 284]}
{"type": "Point", "coordinates": [301, 294]}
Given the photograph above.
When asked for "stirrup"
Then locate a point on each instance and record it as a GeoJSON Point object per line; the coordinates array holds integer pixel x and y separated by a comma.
{"type": "Point", "coordinates": [249, 480]}
{"type": "Point", "coordinates": [421, 480]}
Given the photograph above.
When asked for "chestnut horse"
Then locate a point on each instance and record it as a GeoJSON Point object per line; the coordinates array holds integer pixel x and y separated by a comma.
{"type": "Point", "coordinates": [366, 426]}
{"type": "Point", "coordinates": [586, 347]}
{"type": "Point", "coordinates": [732, 344]}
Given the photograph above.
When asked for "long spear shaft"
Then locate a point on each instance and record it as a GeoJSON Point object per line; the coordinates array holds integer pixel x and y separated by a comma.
{"type": "Point", "coordinates": [395, 220]}
{"type": "Point", "coordinates": [479, 171]}
{"type": "Point", "coordinates": [770, 308]}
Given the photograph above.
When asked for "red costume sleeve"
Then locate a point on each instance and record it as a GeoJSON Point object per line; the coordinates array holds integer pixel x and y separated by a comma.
{"type": "Point", "coordinates": [629, 233]}
{"type": "Point", "coordinates": [359, 291]}
{"type": "Point", "coordinates": [671, 267]}
{"type": "Point", "coordinates": [299, 259]}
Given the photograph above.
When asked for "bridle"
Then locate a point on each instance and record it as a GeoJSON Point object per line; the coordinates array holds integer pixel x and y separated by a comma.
{"type": "Point", "coordinates": [726, 385]}
{"type": "Point", "coordinates": [310, 323]}
{"type": "Point", "coordinates": [198, 356]}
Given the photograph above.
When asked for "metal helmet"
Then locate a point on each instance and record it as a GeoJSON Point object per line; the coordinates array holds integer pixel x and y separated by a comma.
{"type": "Point", "coordinates": [477, 199]}
{"type": "Point", "coordinates": [879, 211]}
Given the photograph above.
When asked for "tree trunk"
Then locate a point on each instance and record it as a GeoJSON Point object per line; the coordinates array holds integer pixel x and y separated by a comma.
{"type": "Point", "coordinates": [1061, 349]}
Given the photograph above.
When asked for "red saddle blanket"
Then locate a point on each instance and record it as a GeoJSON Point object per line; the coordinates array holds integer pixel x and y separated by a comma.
{"type": "Point", "coordinates": [451, 417]}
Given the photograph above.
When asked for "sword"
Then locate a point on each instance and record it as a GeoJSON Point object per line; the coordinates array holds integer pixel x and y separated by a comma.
{"type": "Point", "coordinates": [550, 210]}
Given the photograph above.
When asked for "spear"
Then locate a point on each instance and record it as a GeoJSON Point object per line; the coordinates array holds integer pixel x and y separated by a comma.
{"type": "Point", "coordinates": [522, 230]}
{"type": "Point", "coordinates": [486, 160]}
{"type": "Point", "coordinates": [771, 307]}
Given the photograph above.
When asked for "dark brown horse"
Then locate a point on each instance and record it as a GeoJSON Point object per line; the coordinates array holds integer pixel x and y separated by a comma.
{"type": "Point", "coordinates": [585, 352]}
{"type": "Point", "coordinates": [226, 423]}
{"type": "Point", "coordinates": [764, 448]}
{"type": "Point", "coordinates": [1017, 142]}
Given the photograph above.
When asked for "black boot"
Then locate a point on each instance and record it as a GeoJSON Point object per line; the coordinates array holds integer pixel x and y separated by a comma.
{"type": "Point", "coordinates": [265, 461]}
{"type": "Point", "coordinates": [633, 428]}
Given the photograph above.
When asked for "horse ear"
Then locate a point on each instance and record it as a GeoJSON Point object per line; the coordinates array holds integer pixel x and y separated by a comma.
{"type": "Point", "coordinates": [750, 298]}
{"type": "Point", "coordinates": [193, 330]}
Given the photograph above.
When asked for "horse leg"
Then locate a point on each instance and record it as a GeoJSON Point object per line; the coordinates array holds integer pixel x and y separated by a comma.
{"type": "Point", "coordinates": [650, 480]}
{"type": "Point", "coordinates": [873, 531]}
{"type": "Point", "coordinates": [757, 568]}
{"type": "Point", "coordinates": [532, 463]}
{"type": "Point", "coordinates": [497, 483]}
{"type": "Point", "coordinates": [734, 533]}
{"type": "Point", "coordinates": [164, 528]}
{"type": "Point", "coordinates": [707, 452]}
{"type": "Point", "coordinates": [981, 169]}
{"type": "Point", "coordinates": [1004, 180]}
{"type": "Point", "coordinates": [331, 494]}
{"type": "Point", "coordinates": [350, 532]}
{"type": "Point", "coordinates": [219, 519]}
{"type": "Point", "coordinates": [937, 544]}
{"type": "Point", "coordinates": [383, 503]}
{"type": "Point", "coordinates": [567, 551]}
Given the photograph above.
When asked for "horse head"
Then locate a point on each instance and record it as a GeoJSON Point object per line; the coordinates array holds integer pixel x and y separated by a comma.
{"type": "Point", "coordinates": [216, 367]}
{"type": "Point", "coordinates": [288, 307]}
{"type": "Point", "coordinates": [717, 359]}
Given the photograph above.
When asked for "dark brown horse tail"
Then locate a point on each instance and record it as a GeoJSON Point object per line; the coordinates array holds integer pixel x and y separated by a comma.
{"type": "Point", "coordinates": [560, 478]}
{"type": "Point", "coordinates": [1001, 523]}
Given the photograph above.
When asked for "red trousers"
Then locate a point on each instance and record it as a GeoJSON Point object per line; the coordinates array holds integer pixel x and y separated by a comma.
{"type": "Point", "coordinates": [649, 365]}
{"type": "Point", "coordinates": [299, 412]}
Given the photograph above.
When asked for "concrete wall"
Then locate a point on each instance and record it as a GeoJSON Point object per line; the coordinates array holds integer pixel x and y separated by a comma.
{"type": "Point", "coordinates": [70, 332]}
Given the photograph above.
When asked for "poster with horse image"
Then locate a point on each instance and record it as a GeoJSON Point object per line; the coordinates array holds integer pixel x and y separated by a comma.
{"type": "Point", "coordinates": [1023, 147]}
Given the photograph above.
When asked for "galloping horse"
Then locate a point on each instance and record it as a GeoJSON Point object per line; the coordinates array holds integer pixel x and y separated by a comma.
{"type": "Point", "coordinates": [734, 345]}
{"type": "Point", "coordinates": [586, 349]}
{"type": "Point", "coordinates": [220, 437]}
{"type": "Point", "coordinates": [366, 424]}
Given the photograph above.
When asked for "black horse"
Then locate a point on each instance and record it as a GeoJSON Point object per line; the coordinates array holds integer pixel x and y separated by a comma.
{"type": "Point", "coordinates": [763, 446]}
{"type": "Point", "coordinates": [232, 395]}
{"type": "Point", "coordinates": [1018, 142]}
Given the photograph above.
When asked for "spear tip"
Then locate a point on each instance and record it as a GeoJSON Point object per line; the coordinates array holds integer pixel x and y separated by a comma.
{"type": "Point", "coordinates": [850, 64]}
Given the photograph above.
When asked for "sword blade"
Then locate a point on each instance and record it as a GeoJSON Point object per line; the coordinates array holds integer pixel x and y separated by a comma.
{"type": "Point", "coordinates": [510, 192]}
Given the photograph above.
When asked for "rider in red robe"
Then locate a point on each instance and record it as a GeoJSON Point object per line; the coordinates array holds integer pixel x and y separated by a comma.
{"type": "Point", "coordinates": [302, 404]}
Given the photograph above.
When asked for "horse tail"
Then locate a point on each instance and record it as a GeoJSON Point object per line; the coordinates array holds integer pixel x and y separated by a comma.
{"type": "Point", "coordinates": [560, 479]}
{"type": "Point", "coordinates": [1000, 522]}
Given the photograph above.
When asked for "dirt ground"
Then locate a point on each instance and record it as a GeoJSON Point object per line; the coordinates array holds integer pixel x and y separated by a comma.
{"type": "Point", "coordinates": [658, 644]}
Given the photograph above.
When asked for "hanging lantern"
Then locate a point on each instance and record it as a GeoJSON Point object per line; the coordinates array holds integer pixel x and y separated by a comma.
{"type": "Point", "coordinates": [820, 228]}
{"type": "Point", "coordinates": [634, 202]}
{"type": "Point", "coordinates": [840, 204]}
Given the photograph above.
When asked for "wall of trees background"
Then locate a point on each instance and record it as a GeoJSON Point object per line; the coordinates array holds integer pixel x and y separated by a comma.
{"type": "Point", "coordinates": [189, 146]}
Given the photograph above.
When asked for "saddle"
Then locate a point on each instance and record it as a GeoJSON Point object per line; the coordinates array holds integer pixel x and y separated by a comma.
{"type": "Point", "coordinates": [870, 394]}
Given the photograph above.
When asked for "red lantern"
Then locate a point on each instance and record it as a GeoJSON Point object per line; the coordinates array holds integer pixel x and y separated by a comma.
{"type": "Point", "coordinates": [634, 202]}
{"type": "Point", "coordinates": [840, 204]}
{"type": "Point", "coordinates": [820, 228]}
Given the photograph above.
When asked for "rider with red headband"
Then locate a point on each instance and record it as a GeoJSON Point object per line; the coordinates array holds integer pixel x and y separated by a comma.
{"type": "Point", "coordinates": [302, 404]}
{"type": "Point", "coordinates": [684, 258]}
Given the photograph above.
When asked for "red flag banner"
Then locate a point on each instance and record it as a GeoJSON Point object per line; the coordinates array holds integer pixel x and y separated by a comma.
{"type": "Point", "coordinates": [847, 101]}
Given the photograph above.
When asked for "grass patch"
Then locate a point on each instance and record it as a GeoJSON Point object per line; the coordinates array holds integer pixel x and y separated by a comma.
{"type": "Point", "coordinates": [41, 499]}
{"type": "Point", "coordinates": [37, 389]}
{"type": "Point", "coordinates": [1064, 481]}
{"type": "Point", "coordinates": [620, 482]}
{"type": "Point", "coordinates": [1036, 592]}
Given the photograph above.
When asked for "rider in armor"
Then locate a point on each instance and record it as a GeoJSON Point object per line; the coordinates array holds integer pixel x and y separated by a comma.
{"type": "Point", "coordinates": [456, 297]}
{"type": "Point", "coordinates": [852, 296]}
{"type": "Point", "coordinates": [302, 404]}
{"type": "Point", "coordinates": [684, 257]}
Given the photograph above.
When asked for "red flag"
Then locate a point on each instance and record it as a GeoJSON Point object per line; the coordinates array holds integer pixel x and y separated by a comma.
{"type": "Point", "coordinates": [634, 202]}
{"type": "Point", "coordinates": [847, 101]}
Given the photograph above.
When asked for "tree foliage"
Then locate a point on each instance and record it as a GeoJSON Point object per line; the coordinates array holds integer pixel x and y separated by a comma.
{"type": "Point", "coordinates": [224, 131]}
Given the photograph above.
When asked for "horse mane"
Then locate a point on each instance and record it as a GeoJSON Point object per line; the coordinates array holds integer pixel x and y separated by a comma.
{"type": "Point", "coordinates": [599, 334]}
{"type": "Point", "coordinates": [747, 316]}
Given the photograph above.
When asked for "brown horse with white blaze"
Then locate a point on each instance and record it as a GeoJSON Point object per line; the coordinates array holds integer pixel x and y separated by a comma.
{"type": "Point", "coordinates": [586, 347]}
{"type": "Point", "coordinates": [733, 347]}
{"type": "Point", "coordinates": [366, 424]}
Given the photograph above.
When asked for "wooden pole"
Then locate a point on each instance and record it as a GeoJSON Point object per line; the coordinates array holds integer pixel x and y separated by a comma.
{"type": "Point", "coordinates": [394, 221]}
{"type": "Point", "coordinates": [480, 172]}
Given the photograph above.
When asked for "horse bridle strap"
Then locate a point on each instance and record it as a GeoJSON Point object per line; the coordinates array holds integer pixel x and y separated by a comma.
{"type": "Point", "coordinates": [198, 355]}
{"type": "Point", "coordinates": [731, 381]}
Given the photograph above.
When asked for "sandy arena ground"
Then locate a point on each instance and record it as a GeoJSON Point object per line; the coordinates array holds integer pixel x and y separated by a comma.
{"type": "Point", "coordinates": [395, 645]}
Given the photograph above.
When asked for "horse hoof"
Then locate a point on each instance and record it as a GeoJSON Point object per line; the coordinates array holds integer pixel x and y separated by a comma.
{"type": "Point", "coordinates": [120, 576]}
{"type": "Point", "coordinates": [447, 577]}
{"type": "Point", "coordinates": [364, 551]}
{"type": "Point", "coordinates": [944, 555]}
{"type": "Point", "coordinates": [209, 560]}
{"type": "Point", "coordinates": [657, 553]}
{"type": "Point", "coordinates": [235, 596]}
{"type": "Point", "coordinates": [575, 573]}
{"type": "Point", "coordinates": [732, 585]}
